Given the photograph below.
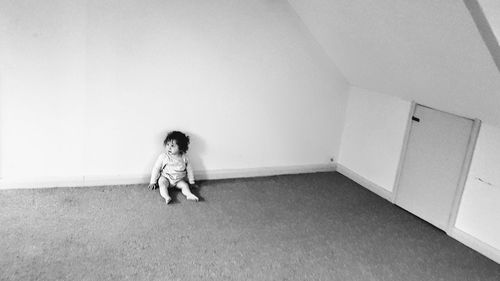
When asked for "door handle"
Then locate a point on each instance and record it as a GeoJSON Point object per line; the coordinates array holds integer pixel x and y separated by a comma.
{"type": "Point", "coordinates": [415, 118]}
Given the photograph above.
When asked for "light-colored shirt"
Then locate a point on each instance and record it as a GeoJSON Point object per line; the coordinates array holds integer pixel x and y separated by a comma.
{"type": "Point", "coordinates": [175, 168]}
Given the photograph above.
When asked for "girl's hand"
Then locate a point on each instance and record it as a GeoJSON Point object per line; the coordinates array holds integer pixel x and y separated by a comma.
{"type": "Point", "coordinates": [153, 186]}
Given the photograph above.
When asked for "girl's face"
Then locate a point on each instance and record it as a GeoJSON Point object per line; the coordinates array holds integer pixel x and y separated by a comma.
{"type": "Point", "coordinates": [172, 148]}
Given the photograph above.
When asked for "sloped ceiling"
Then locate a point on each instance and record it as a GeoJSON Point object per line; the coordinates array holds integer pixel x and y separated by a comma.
{"type": "Point", "coordinates": [428, 51]}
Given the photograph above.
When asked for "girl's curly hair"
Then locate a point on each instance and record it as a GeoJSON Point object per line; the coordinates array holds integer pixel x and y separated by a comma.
{"type": "Point", "coordinates": [181, 139]}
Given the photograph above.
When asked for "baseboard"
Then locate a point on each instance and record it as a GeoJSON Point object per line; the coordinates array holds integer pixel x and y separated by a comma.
{"type": "Point", "coordinates": [71, 181]}
{"type": "Point", "coordinates": [98, 180]}
{"type": "Point", "coordinates": [262, 172]}
{"type": "Point", "coordinates": [373, 187]}
{"type": "Point", "coordinates": [41, 182]}
{"type": "Point", "coordinates": [475, 244]}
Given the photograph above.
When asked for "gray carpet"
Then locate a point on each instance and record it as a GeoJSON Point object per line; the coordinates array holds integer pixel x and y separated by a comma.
{"type": "Point", "coordinates": [318, 226]}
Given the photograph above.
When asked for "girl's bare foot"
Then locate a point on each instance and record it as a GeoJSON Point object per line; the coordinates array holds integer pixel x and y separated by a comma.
{"type": "Point", "coordinates": [167, 200]}
{"type": "Point", "coordinates": [191, 197]}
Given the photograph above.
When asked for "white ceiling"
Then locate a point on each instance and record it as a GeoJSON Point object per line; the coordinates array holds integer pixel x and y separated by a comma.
{"type": "Point", "coordinates": [428, 51]}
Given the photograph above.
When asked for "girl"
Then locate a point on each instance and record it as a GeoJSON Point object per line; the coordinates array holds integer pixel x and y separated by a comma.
{"type": "Point", "coordinates": [173, 167]}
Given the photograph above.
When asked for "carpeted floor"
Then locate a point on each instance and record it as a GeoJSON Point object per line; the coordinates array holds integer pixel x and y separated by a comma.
{"type": "Point", "coordinates": [318, 226]}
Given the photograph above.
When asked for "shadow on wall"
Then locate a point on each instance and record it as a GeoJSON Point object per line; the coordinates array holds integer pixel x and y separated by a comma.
{"type": "Point", "coordinates": [197, 148]}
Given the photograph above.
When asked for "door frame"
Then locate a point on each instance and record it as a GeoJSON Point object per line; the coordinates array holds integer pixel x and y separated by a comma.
{"type": "Point", "coordinates": [464, 171]}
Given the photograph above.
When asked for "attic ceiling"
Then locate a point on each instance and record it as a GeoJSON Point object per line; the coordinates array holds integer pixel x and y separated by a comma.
{"type": "Point", "coordinates": [427, 51]}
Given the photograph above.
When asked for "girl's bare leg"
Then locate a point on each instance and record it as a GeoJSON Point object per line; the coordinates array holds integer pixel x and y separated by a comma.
{"type": "Point", "coordinates": [186, 191]}
{"type": "Point", "coordinates": [163, 183]}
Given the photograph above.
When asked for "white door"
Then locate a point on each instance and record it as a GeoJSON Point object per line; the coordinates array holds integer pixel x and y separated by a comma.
{"type": "Point", "coordinates": [431, 169]}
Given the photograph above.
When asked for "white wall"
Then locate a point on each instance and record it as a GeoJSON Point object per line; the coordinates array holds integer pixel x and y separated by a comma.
{"type": "Point", "coordinates": [89, 88]}
{"type": "Point", "coordinates": [42, 67]}
{"type": "Point", "coordinates": [373, 135]}
{"type": "Point", "coordinates": [479, 213]}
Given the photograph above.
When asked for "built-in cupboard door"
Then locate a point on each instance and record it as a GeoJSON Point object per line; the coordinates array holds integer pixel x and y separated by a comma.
{"type": "Point", "coordinates": [432, 164]}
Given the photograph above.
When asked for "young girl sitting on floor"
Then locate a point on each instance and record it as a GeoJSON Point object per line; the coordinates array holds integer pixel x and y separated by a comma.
{"type": "Point", "coordinates": [173, 167]}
